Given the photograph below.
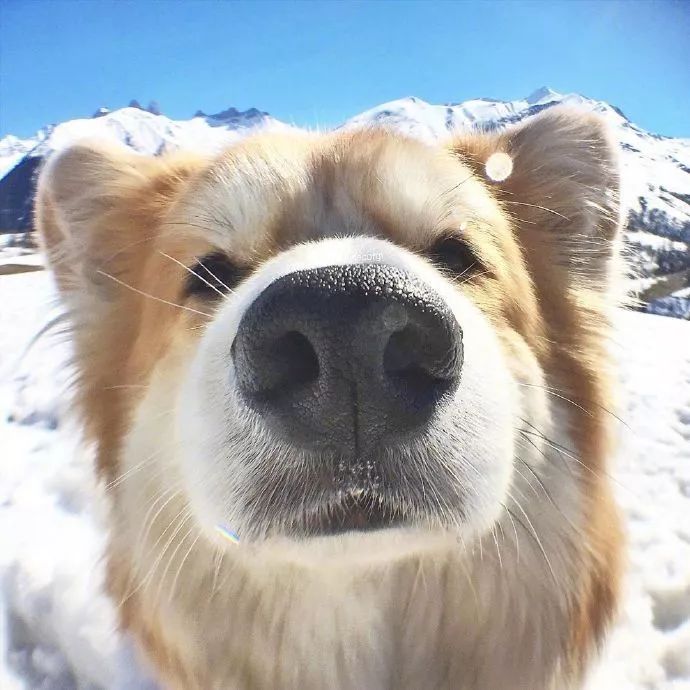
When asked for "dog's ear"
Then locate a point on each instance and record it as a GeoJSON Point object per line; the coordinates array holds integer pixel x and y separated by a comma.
{"type": "Point", "coordinates": [98, 209]}
{"type": "Point", "coordinates": [557, 176]}
{"type": "Point", "coordinates": [99, 214]}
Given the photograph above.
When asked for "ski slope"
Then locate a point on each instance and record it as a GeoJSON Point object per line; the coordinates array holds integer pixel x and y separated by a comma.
{"type": "Point", "coordinates": [57, 631]}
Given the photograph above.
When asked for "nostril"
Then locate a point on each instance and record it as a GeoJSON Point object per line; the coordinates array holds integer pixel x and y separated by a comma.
{"type": "Point", "coordinates": [280, 366]}
{"type": "Point", "coordinates": [297, 358]}
{"type": "Point", "coordinates": [421, 362]}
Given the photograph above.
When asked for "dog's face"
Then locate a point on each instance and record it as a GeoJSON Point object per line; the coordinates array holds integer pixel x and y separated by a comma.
{"type": "Point", "coordinates": [350, 332]}
{"type": "Point", "coordinates": [356, 378]}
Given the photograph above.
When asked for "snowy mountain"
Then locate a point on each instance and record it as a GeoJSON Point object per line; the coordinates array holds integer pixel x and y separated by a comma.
{"type": "Point", "coordinates": [656, 169]}
{"type": "Point", "coordinates": [12, 150]}
{"type": "Point", "coordinates": [136, 127]}
{"type": "Point", "coordinates": [141, 130]}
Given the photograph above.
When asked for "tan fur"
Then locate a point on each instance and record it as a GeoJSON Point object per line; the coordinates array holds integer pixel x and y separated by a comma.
{"type": "Point", "coordinates": [431, 615]}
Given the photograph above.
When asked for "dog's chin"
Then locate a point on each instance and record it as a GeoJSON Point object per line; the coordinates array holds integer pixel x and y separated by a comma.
{"type": "Point", "coordinates": [361, 522]}
{"type": "Point", "coordinates": [324, 496]}
{"type": "Point", "coordinates": [355, 510]}
{"type": "Point", "coordinates": [351, 528]}
{"type": "Point", "coordinates": [367, 511]}
{"type": "Point", "coordinates": [332, 496]}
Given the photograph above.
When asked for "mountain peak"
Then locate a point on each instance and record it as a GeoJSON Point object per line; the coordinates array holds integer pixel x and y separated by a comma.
{"type": "Point", "coordinates": [544, 93]}
{"type": "Point", "coordinates": [233, 113]}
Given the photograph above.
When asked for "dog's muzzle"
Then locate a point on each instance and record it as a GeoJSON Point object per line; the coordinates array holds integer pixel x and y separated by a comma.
{"type": "Point", "coordinates": [348, 359]}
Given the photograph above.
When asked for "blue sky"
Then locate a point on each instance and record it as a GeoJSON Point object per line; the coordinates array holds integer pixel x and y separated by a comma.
{"type": "Point", "coordinates": [317, 63]}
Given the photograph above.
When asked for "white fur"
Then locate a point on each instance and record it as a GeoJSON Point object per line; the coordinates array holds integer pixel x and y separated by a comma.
{"type": "Point", "coordinates": [347, 591]}
{"type": "Point", "coordinates": [389, 609]}
{"type": "Point", "coordinates": [223, 441]}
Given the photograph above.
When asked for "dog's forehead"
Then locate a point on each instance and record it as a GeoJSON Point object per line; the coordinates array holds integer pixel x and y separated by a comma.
{"type": "Point", "coordinates": [284, 188]}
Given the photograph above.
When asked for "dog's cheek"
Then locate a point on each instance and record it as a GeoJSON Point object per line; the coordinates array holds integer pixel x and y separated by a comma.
{"type": "Point", "coordinates": [529, 377]}
{"type": "Point", "coordinates": [481, 432]}
{"type": "Point", "coordinates": [214, 440]}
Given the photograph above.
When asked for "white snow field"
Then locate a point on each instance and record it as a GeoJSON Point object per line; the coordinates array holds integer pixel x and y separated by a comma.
{"type": "Point", "coordinates": [57, 631]}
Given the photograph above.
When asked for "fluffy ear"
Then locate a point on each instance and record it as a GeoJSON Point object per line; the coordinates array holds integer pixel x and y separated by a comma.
{"type": "Point", "coordinates": [557, 175]}
{"type": "Point", "coordinates": [99, 211]}
{"type": "Point", "coordinates": [97, 207]}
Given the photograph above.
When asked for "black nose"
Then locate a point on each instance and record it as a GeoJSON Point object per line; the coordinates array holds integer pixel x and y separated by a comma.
{"type": "Point", "coordinates": [347, 357]}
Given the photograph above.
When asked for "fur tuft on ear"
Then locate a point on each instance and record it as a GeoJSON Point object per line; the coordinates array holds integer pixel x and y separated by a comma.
{"type": "Point", "coordinates": [99, 212]}
{"type": "Point", "coordinates": [96, 204]}
{"type": "Point", "coordinates": [79, 190]}
{"type": "Point", "coordinates": [564, 183]}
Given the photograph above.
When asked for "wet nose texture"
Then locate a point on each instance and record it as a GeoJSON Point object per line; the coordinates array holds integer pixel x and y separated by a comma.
{"type": "Point", "coordinates": [347, 358]}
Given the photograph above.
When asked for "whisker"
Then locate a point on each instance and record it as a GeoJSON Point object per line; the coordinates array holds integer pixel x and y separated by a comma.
{"type": "Point", "coordinates": [533, 533]}
{"type": "Point", "coordinates": [171, 493]}
{"type": "Point", "coordinates": [132, 470]}
{"type": "Point", "coordinates": [182, 518]}
{"type": "Point", "coordinates": [215, 277]}
{"type": "Point", "coordinates": [568, 453]}
{"type": "Point", "coordinates": [123, 250]}
{"type": "Point", "coordinates": [527, 481]}
{"type": "Point", "coordinates": [558, 394]}
{"type": "Point", "coordinates": [153, 297]}
{"type": "Point", "coordinates": [450, 190]}
{"type": "Point", "coordinates": [542, 453]}
{"type": "Point", "coordinates": [171, 558]}
{"type": "Point", "coordinates": [125, 385]}
{"type": "Point", "coordinates": [539, 480]}
{"type": "Point", "coordinates": [498, 550]}
{"type": "Point", "coordinates": [467, 574]}
{"type": "Point", "coordinates": [179, 570]}
{"type": "Point", "coordinates": [548, 494]}
{"type": "Point", "coordinates": [472, 277]}
{"type": "Point", "coordinates": [517, 538]}
{"type": "Point", "coordinates": [541, 208]}
{"type": "Point", "coordinates": [131, 587]}
{"type": "Point", "coordinates": [218, 562]}
{"type": "Point", "coordinates": [205, 228]}
{"type": "Point", "coordinates": [194, 273]}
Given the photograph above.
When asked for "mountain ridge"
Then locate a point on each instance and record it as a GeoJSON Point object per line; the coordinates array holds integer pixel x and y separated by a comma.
{"type": "Point", "coordinates": [655, 168]}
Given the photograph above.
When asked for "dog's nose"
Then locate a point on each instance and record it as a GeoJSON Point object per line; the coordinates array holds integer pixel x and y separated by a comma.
{"type": "Point", "coordinates": [347, 357]}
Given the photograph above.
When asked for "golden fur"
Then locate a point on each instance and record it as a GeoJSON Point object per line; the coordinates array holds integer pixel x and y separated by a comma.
{"type": "Point", "coordinates": [119, 229]}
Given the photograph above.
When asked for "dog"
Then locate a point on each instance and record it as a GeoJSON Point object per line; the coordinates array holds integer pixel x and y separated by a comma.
{"type": "Point", "coordinates": [349, 395]}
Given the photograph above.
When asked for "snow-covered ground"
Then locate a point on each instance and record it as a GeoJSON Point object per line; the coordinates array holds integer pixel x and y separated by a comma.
{"type": "Point", "coordinates": [651, 647]}
{"type": "Point", "coordinates": [57, 631]}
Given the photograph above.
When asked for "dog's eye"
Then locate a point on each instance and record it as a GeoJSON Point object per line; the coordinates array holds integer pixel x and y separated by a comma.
{"type": "Point", "coordinates": [455, 255]}
{"type": "Point", "coordinates": [213, 275]}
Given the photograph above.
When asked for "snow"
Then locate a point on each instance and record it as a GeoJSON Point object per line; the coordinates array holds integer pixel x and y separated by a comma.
{"type": "Point", "coordinates": [57, 631]}
{"type": "Point", "coordinates": [12, 150]}
{"type": "Point", "coordinates": [651, 647]}
{"type": "Point", "coordinates": [677, 305]}
{"type": "Point", "coordinates": [647, 239]}
{"type": "Point", "coordinates": [142, 131]}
